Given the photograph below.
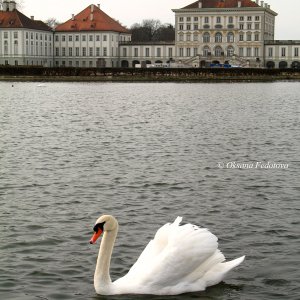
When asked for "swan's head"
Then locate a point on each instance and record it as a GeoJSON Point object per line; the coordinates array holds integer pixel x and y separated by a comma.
{"type": "Point", "coordinates": [104, 223]}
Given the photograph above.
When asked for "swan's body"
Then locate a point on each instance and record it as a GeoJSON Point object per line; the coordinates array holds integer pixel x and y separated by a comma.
{"type": "Point", "coordinates": [178, 260]}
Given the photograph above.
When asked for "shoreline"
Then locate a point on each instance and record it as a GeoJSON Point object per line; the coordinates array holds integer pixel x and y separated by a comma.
{"type": "Point", "coordinates": [133, 79]}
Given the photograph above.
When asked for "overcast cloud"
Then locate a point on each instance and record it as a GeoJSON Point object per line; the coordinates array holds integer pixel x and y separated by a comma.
{"type": "Point", "coordinates": [132, 11]}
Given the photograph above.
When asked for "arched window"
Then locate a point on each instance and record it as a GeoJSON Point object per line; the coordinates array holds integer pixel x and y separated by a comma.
{"type": "Point", "coordinates": [206, 37]}
{"type": "Point", "coordinates": [283, 65]}
{"type": "Point", "coordinates": [230, 51]}
{"type": "Point", "coordinates": [218, 37]}
{"type": "Point", "coordinates": [218, 51]}
{"type": "Point", "coordinates": [206, 51]}
{"type": "Point", "coordinates": [230, 37]}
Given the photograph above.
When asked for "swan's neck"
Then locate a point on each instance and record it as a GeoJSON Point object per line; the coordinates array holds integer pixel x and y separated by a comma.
{"type": "Point", "coordinates": [102, 279]}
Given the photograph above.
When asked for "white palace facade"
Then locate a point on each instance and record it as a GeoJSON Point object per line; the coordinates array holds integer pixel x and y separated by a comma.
{"type": "Point", "coordinates": [207, 32]}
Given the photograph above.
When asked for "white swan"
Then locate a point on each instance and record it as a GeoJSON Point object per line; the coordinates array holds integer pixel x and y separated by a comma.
{"type": "Point", "coordinates": [178, 260]}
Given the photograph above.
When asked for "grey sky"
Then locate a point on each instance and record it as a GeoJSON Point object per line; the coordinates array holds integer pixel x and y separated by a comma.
{"type": "Point", "coordinates": [132, 11]}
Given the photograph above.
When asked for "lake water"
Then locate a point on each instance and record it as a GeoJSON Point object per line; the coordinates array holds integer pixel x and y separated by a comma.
{"type": "Point", "coordinates": [146, 153]}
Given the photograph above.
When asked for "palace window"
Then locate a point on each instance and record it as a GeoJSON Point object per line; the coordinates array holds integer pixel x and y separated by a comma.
{"type": "Point", "coordinates": [283, 52]}
{"type": "Point", "coordinates": [206, 20]}
{"type": "Point", "coordinates": [195, 37]}
{"type": "Point", "coordinates": [56, 38]}
{"type": "Point", "coordinates": [63, 38]}
{"type": "Point", "coordinates": [256, 37]}
{"type": "Point", "coordinates": [206, 51]}
{"type": "Point", "coordinates": [97, 51]}
{"type": "Point", "coordinates": [170, 52]}
{"type": "Point", "coordinates": [63, 51]}
{"type": "Point", "coordinates": [206, 37]}
{"type": "Point", "coordinates": [83, 51]}
{"type": "Point", "coordinates": [57, 51]}
{"type": "Point", "coordinates": [218, 51]}
{"type": "Point", "coordinates": [180, 26]}
{"type": "Point", "coordinates": [70, 38]}
{"type": "Point", "coordinates": [91, 51]}
{"type": "Point", "coordinates": [230, 20]}
{"type": "Point", "coordinates": [249, 26]}
{"type": "Point", "coordinates": [241, 37]}
{"type": "Point", "coordinates": [158, 52]}
{"type": "Point", "coordinates": [256, 52]}
{"type": "Point", "coordinates": [188, 27]}
{"type": "Point", "coordinates": [181, 52]}
{"type": "Point", "coordinates": [70, 51]}
{"type": "Point", "coordinates": [249, 52]}
{"type": "Point", "coordinates": [195, 26]}
{"type": "Point", "coordinates": [147, 52]}
{"type": "Point", "coordinates": [98, 38]}
{"type": "Point", "coordinates": [218, 19]}
{"type": "Point", "coordinates": [188, 52]}
{"type": "Point", "coordinates": [241, 18]}
{"type": "Point", "coordinates": [270, 52]}
{"type": "Point", "coordinates": [249, 18]}
{"type": "Point", "coordinates": [296, 52]}
{"type": "Point", "coordinates": [241, 26]}
{"type": "Point", "coordinates": [241, 51]}
{"type": "Point", "coordinates": [104, 51]}
{"type": "Point", "coordinates": [249, 37]}
{"type": "Point", "coordinates": [195, 52]}
{"type": "Point", "coordinates": [230, 37]}
{"type": "Point", "coordinates": [230, 51]}
{"type": "Point", "coordinates": [83, 38]}
{"type": "Point", "coordinates": [136, 52]}
{"type": "Point", "coordinates": [256, 18]}
{"type": "Point", "coordinates": [218, 37]}
{"type": "Point", "coordinates": [90, 38]}
{"type": "Point", "coordinates": [196, 19]}
{"type": "Point", "coordinates": [76, 38]}
{"type": "Point", "coordinates": [77, 51]}
{"type": "Point", "coordinates": [104, 37]}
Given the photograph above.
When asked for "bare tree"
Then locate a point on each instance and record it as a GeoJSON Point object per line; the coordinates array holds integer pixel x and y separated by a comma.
{"type": "Point", "coordinates": [152, 30]}
{"type": "Point", "coordinates": [52, 22]}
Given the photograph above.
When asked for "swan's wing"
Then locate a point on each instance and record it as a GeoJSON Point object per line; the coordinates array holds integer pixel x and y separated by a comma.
{"type": "Point", "coordinates": [173, 256]}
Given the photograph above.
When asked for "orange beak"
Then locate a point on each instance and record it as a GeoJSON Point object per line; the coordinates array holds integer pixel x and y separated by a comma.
{"type": "Point", "coordinates": [95, 236]}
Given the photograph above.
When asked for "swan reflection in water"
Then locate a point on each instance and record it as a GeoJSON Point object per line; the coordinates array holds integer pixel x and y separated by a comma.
{"type": "Point", "coordinates": [180, 259]}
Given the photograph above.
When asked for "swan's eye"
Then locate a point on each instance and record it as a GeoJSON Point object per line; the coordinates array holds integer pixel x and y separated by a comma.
{"type": "Point", "coordinates": [98, 226]}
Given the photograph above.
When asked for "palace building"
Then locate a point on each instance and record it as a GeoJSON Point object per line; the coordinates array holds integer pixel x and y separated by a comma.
{"type": "Point", "coordinates": [23, 40]}
{"type": "Point", "coordinates": [207, 32]}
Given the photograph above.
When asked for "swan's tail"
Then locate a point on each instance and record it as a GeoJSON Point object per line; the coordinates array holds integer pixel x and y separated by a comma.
{"type": "Point", "coordinates": [219, 271]}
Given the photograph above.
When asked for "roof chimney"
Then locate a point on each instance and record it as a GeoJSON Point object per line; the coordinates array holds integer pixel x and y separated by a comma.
{"type": "Point", "coordinates": [32, 17]}
{"type": "Point", "coordinates": [5, 6]}
{"type": "Point", "coordinates": [257, 2]}
{"type": "Point", "coordinates": [73, 17]}
{"type": "Point", "coordinates": [12, 5]}
{"type": "Point", "coordinates": [200, 3]}
{"type": "Point", "coordinates": [266, 5]}
{"type": "Point", "coordinates": [98, 6]}
{"type": "Point", "coordinates": [262, 3]}
{"type": "Point", "coordinates": [92, 7]}
{"type": "Point", "coordinates": [239, 3]}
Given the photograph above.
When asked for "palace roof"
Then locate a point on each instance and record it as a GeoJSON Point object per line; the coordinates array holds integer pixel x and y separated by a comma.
{"type": "Point", "coordinates": [222, 4]}
{"type": "Point", "coordinates": [15, 19]}
{"type": "Point", "coordinates": [91, 19]}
